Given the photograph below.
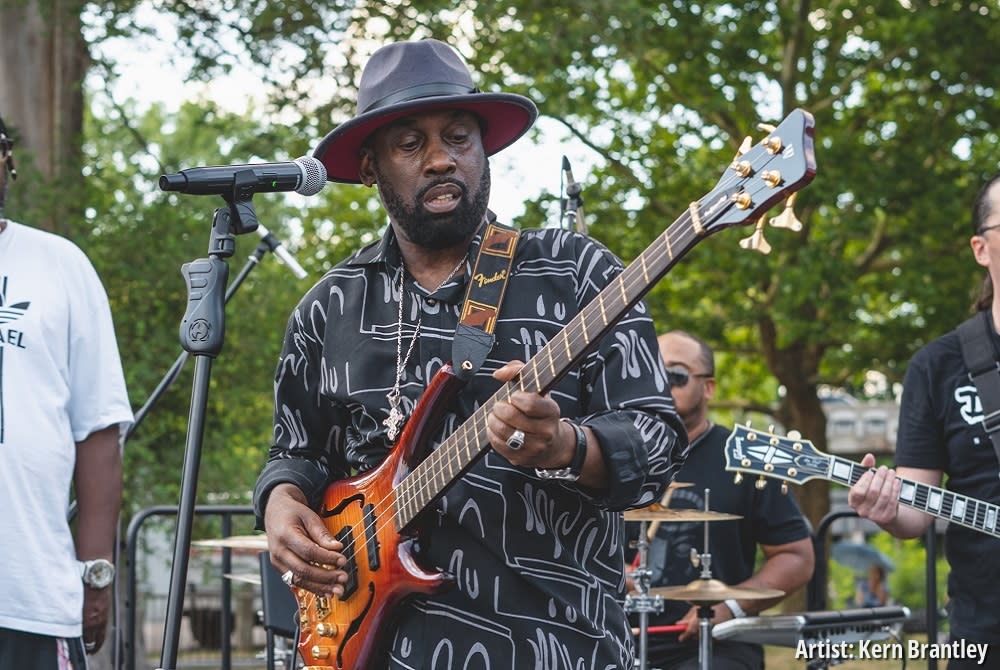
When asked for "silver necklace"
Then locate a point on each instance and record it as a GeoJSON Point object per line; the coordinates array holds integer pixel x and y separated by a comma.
{"type": "Point", "coordinates": [395, 418]}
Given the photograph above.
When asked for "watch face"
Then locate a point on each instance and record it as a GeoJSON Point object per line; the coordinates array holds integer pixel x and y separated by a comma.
{"type": "Point", "coordinates": [99, 573]}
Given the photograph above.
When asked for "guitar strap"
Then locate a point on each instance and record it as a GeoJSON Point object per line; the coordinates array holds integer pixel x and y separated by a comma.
{"type": "Point", "coordinates": [984, 370]}
{"type": "Point", "coordinates": [487, 286]}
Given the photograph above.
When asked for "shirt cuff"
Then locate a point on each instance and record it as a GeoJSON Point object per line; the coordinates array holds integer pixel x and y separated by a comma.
{"type": "Point", "coordinates": [305, 474]}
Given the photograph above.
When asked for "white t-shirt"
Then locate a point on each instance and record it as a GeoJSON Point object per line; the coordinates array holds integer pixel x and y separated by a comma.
{"type": "Point", "coordinates": [61, 379]}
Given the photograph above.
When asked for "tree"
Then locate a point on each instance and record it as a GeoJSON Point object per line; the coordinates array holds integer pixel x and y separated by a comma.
{"type": "Point", "coordinates": [664, 94]}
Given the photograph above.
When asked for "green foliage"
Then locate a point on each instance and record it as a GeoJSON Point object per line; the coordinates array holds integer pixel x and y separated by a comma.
{"type": "Point", "coordinates": [663, 94]}
{"type": "Point", "coordinates": [139, 237]}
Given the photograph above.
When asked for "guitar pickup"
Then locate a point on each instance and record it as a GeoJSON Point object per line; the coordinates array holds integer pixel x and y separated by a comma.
{"type": "Point", "coordinates": [371, 538]}
{"type": "Point", "coordinates": [346, 538]}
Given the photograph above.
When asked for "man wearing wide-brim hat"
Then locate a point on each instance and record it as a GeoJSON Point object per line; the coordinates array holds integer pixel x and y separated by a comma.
{"type": "Point", "coordinates": [519, 500]}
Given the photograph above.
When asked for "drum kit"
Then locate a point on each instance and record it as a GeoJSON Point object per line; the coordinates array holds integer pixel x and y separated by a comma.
{"type": "Point", "coordinates": [703, 592]}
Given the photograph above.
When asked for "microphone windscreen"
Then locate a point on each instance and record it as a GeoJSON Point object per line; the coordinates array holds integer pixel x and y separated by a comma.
{"type": "Point", "coordinates": [313, 175]}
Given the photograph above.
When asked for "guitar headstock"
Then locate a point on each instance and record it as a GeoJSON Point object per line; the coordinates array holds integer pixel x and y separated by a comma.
{"type": "Point", "coordinates": [790, 458]}
{"type": "Point", "coordinates": [775, 168]}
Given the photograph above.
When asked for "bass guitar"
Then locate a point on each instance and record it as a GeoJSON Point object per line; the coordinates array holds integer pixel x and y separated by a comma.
{"type": "Point", "coordinates": [377, 514]}
{"type": "Point", "coordinates": [793, 459]}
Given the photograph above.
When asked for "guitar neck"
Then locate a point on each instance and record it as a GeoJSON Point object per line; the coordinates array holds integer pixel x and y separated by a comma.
{"type": "Point", "coordinates": [540, 374]}
{"type": "Point", "coordinates": [941, 503]}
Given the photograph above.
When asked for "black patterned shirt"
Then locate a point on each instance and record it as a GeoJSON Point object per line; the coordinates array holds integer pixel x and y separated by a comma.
{"type": "Point", "coordinates": [538, 565]}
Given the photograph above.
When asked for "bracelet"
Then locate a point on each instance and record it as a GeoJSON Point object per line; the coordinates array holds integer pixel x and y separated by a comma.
{"type": "Point", "coordinates": [735, 608]}
{"type": "Point", "coordinates": [571, 472]}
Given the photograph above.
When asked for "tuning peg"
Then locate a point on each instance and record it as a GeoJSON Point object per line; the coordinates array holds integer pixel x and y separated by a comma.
{"type": "Point", "coordinates": [794, 435]}
{"type": "Point", "coordinates": [770, 427]}
{"type": "Point", "coordinates": [756, 241]}
{"type": "Point", "coordinates": [748, 423]}
{"type": "Point", "coordinates": [766, 127]}
{"type": "Point", "coordinates": [787, 218]}
{"type": "Point", "coordinates": [745, 146]}
{"type": "Point", "coordinates": [784, 488]}
{"type": "Point", "coordinates": [738, 479]}
{"type": "Point", "coordinates": [760, 483]}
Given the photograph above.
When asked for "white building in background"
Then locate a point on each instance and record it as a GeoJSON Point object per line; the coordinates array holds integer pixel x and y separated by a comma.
{"type": "Point", "coordinates": [855, 427]}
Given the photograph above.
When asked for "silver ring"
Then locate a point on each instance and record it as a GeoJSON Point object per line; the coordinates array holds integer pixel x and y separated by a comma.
{"type": "Point", "coordinates": [516, 440]}
{"type": "Point", "coordinates": [288, 577]}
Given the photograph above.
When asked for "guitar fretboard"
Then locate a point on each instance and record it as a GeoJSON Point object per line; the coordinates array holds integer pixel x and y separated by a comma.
{"type": "Point", "coordinates": [540, 374]}
{"type": "Point", "coordinates": [941, 503]}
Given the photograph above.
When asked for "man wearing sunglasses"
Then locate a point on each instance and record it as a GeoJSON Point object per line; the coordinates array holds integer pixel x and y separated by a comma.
{"type": "Point", "coordinates": [770, 520]}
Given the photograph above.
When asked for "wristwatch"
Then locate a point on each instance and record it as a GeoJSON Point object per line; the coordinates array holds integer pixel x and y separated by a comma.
{"type": "Point", "coordinates": [571, 472]}
{"type": "Point", "coordinates": [98, 573]}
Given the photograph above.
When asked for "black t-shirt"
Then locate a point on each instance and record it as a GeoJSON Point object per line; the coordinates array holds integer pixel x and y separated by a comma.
{"type": "Point", "coordinates": [769, 517]}
{"type": "Point", "coordinates": [940, 428]}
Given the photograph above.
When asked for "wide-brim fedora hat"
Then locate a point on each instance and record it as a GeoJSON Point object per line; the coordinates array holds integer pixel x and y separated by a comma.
{"type": "Point", "coordinates": [405, 78]}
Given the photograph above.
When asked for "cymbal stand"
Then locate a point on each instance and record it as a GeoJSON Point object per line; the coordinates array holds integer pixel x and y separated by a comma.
{"type": "Point", "coordinates": [642, 603]}
{"type": "Point", "coordinates": [705, 611]}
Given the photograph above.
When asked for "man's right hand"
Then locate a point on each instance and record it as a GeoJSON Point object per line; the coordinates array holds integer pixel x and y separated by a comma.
{"type": "Point", "coordinates": [299, 541]}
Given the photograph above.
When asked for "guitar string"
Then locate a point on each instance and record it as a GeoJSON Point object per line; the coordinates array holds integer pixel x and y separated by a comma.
{"type": "Point", "coordinates": [447, 451]}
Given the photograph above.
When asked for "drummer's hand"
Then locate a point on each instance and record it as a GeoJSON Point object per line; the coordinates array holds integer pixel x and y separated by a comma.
{"type": "Point", "coordinates": [720, 613]}
{"type": "Point", "coordinates": [298, 541]}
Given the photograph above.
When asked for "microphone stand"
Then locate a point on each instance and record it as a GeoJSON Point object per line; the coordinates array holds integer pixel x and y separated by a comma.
{"type": "Point", "coordinates": [268, 243]}
{"type": "Point", "coordinates": [202, 332]}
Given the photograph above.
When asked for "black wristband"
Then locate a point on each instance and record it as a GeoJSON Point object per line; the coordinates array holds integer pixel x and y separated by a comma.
{"type": "Point", "coordinates": [572, 471]}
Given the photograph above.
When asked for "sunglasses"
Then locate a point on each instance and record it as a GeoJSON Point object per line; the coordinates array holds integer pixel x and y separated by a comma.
{"type": "Point", "coordinates": [678, 377]}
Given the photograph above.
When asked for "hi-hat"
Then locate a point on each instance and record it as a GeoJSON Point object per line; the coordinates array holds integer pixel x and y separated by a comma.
{"type": "Point", "coordinates": [657, 512]}
{"type": "Point", "coordinates": [255, 542]}
{"type": "Point", "coordinates": [712, 591]}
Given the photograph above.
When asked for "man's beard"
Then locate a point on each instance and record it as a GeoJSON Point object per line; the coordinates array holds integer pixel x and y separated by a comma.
{"type": "Point", "coordinates": [437, 231]}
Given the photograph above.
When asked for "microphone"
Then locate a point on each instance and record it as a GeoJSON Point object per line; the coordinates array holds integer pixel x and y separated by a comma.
{"type": "Point", "coordinates": [305, 175]}
{"type": "Point", "coordinates": [574, 201]}
{"type": "Point", "coordinates": [280, 251]}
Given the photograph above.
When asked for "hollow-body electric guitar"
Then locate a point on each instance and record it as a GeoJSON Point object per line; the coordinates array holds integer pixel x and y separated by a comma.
{"type": "Point", "coordinates": [377, 514]}
{"type": "Point", "coordinates": [793, 459]}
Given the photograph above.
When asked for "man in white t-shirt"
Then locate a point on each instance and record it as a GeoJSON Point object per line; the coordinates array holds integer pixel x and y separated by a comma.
{"type": "Point", "coordinates": [63, 407]}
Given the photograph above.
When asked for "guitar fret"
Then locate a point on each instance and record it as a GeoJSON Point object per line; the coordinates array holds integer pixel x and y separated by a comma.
{"type": "Point", "coordinates": [670, 249]}
{"type": "Point", "coordinates": [979, 520]}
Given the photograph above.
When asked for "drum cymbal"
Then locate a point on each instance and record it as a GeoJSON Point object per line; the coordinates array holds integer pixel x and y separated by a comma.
{"type": "Point", "coordinates": [657, 512]}
{"type": "Point", "coordinates": [249, 577]}
{"type": "Point", "coordinates": [712, 591]}
{"type": "Point", "coordinates": [255, 542]}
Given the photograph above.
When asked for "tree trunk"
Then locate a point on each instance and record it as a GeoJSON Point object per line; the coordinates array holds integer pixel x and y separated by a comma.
{"type": "Point", "coordinates": [796, 367]}
{"type": "Point", "coordinates": [43, 60]}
